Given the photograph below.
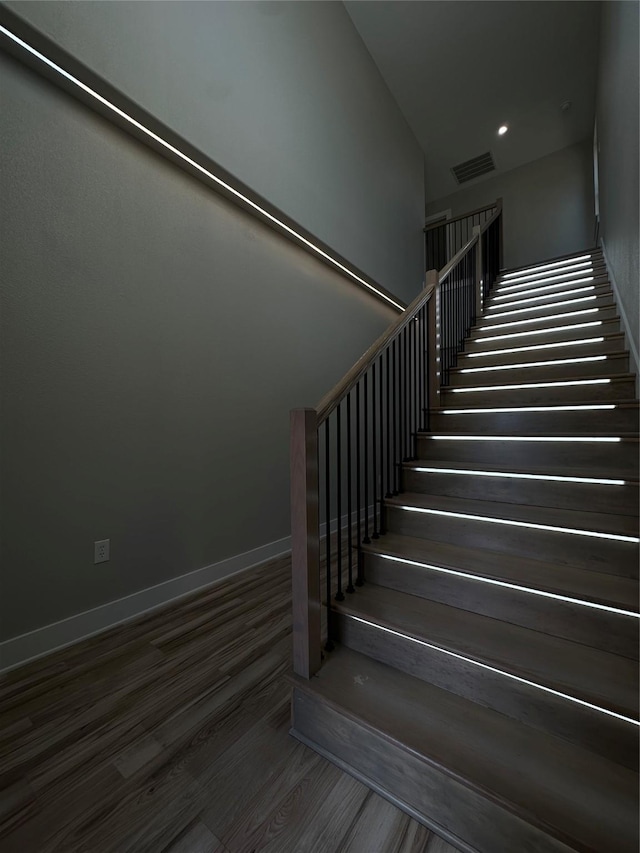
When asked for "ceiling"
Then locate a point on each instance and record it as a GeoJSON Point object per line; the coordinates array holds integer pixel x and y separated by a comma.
{"type": "Point", "coordinates": [460, 68]}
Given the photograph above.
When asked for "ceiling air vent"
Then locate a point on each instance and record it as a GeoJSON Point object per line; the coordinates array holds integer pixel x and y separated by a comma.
{"type": "Point", "coordinates": [471, 169]}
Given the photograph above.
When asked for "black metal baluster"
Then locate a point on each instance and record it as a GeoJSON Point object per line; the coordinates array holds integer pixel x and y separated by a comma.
{"type": "Point", "coordinates": [443, 333]}
{"type": "Point", "coordinates": [414, 388]}
{"type": "Point", "coordinates": [339, 593]}
{"type": "Point", "coordinates": [389, 461]}
{"type": "Point", "coordinates": [418, 416]}
{"type": "Point", "coordinates": [359, 580]}
{"type": "Point", "coordinates": [408, 387]}
{"type": "Point", "coordinates": [460, 306]}
{"type": "Point", "coordinates": [381, 443]}
{"type": "Point", "coordinates": [421, 367]}
{"type": "Point", "coordinates": [374, 452]}
{"type": "Point", "coordinates": [426, 364]}
{"type": "Point", "coordinates": [400, 404]}
{"type": "Point", "coordinates": [444, 325]}
{"type": "Point", "coordinates": [405, 377]}
{"type": "Point", "coordinates": [396, 415]}
{"type": "Point", "coordinates": [409, 401]}
{"type": "Point", "coordinates": [460, 291]}
{"type": "Point", "coordinates": [349, 499]}
{"type": "Point", "coordinates": [420, 373]}
{"type": "Point", "coordinates": [327, 521]}
{"type": "Point", "coordinates": [366, 539]}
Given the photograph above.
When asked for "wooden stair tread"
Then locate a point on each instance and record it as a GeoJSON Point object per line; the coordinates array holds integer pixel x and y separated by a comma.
{"type": "Point", "coordinates": [587, 333]}
{"type": "Point", "coordinates": [583, 584]}
{"type": "Point", "coordinates": [576, 520]}
{"type": "Point", "coordinates": [613, 377]}
{"type": "Point", "coordinates": [555, 471]}
{"type": "Point", "coordinates": [573, 794]}
{"type": "Point", "coordinates": [562, 290]}
{"type": "Point", "coordinates": [595, 254]}
{"type": "Point", "coordinates": [530, 312]}
{"type": "Point", "coordinates": [549, 661]}
{"type": "Point", "coordinates": [550, 277]}
{"type": "Point", "coordinates": [621, 404]}
{"type": "Point", "coordinates": [551, 358]}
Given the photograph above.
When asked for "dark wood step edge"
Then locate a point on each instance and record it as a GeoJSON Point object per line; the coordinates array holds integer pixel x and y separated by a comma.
{"type": "Point", "coordinates": [498, 799]}
{"type": "Point", "coordinates": [473, 658]}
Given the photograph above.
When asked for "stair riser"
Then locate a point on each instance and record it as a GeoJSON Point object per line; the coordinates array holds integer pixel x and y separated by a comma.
{"type": "Point", "coordinates": [622, 500]}
{"type": "Point", "coordinates": [420, 787]}
{"type": "Point", "coordinates": [600, 555]}
{"type": "Point", "coordinates": [478, 344]}
{"type": "Point", "coordinates": [608, 422]}
{"type": "Point", "coordinates": [608, 312]}
{"type": "Point", "coordinates": [598, 271]}
{"type": "Point", "coordinates": [614, 344]}
{"type": "Point", "coordinates": [601, 285]}
{"type": "Point", "coordinates": [619, 390]}
{"type": "Point", "coordinates": [546, 309]}
{"type": "Point", "coordinates": [619, 460]}
{"type": "Point", "coordinates": [546, 373]}
{"type": "Point", "coordinates": [537, 708]}
{"type": "Point", "coordinates": [607, 631]}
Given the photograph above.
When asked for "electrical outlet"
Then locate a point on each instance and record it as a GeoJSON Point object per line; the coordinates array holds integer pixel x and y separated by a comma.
{"type": "Point", "coordinates": [101, 551]}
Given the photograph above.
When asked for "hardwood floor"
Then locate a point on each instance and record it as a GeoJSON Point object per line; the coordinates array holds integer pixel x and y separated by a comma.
{"type": "Point", "coordinates": [170, 735]}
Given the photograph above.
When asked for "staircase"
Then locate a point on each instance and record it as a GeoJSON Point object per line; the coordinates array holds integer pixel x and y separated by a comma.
{"type": "Point", "coordinates": [485, 677]}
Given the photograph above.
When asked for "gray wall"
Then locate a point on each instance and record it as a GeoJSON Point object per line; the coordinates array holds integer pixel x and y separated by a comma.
{"type": "Point", "coordinates": [284, 95]}
{"type": "Point", "coordinates": [617, 117]}
{"type": "Point", "coordinates": [548, 205]}
{"type": "Point", "coordinates": [154, 337]}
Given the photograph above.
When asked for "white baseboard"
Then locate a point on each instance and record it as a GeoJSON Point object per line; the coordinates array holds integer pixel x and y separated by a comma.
{"type": "Point", "coordinates": [42, 641]}
{"type": "Point", "coordinates": [626, 325]}
{"type": "Point", "coordinates": [50, 638]}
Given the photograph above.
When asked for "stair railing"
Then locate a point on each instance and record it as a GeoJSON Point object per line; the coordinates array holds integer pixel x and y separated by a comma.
{"type": "Point", "coordinates": [347, 454]}
{"type": "Point", "coordinates": [444, 239]}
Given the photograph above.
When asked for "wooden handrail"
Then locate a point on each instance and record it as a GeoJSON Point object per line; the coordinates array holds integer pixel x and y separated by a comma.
{"type": "Point", "coordinates": [461, 216]}
{"type": "Point", "coordinates": [349, 380]}
{"type": "Point", "coordinates": [416, 370]}
{"type": "Point", "coordinates": [329, 402]}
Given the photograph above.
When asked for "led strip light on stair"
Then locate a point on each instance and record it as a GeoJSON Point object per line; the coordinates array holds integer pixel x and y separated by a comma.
{"type": "Point", "coordinates": [578, 407]}
{"type": "Point", "coordinates": [559, 384]}
{"type": "Point", "coordinates": [580, 439]}
{"type": "Point", "coordinates": [578, 301]}
{"type": "Point", "coordinates": [176, 152]}
{"type": "Point", "coordinates": [545, 296]}
{"type": "Point", "coordinates": [529, 525]}
{"type": "Point", "coordinates": [527, 281]}
{"type": "Point", "coordinates": [539, 267]}
{"type": "Point", "coordinates": [485, 666]}
{"type": "Point", "coordinates": [555, 345]}
{"type": "Point", "coordinates": [527, 364]}
{"type": "Point", "coordinates": [531, 332]}
{"type": "Point", "coordinates": [510, 475]}
{"type": "Point", "coordinates": [523, 291]}
{"type": "Point", "coordinates": [542, 318]}
{"type": "Point", "coordinates": [527, 589]}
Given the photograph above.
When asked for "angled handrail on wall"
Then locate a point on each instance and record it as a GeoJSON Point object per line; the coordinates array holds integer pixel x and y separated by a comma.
{"type": "Point", "coordinates": [347, 453]}
{"type": "Point", "coordinates": [39, 52]}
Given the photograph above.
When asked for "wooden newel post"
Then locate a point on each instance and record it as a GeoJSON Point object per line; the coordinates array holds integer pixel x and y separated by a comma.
{"type": "Point", "coordinates": [305, 542]}
{"type": "Point", "coordinates": [479, 282]}
{"type": "Point", "coordinates": [433, 319]}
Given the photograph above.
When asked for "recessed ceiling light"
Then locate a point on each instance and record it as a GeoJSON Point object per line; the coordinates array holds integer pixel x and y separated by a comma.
{"type": "Point", "coordinates": [502, 129]}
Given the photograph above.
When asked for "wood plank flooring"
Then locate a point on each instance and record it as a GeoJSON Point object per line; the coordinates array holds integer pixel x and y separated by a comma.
{"type": "Point", "coordinates": [170, 735]}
